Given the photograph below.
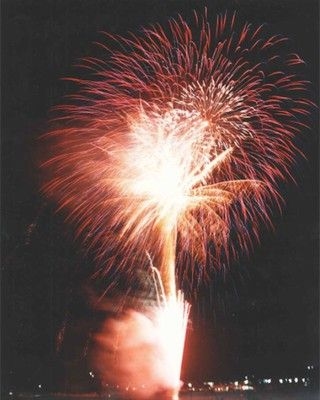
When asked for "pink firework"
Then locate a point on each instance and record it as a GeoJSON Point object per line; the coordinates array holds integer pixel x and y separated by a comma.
{"type": "Point", "coordinates": [175, 138]}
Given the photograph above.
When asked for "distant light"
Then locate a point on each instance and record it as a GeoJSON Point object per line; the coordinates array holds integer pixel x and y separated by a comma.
{"type": "Point", "coordinates": [236, 383]}
{"type": "Point", "coordinates": [190, 385]}
{"type": "Point", "coordinates": [303, 379]}
{"type": "Point", "coordinates": [246, 387]}
{"type": "Point", "coordinates": [246, 381]}
{"type": "Point", "coordinates": [267, 380]}
{"type": "Point", "coordinates": [290, 380]}
{"type": "Point", "coordinates": [40, 386]}
{"type": "Point", "coordinates": [296, 380]}
{"type": "Point", "coordinates": [309, 367]}
{"type": "Point", "coordinates": [280, 380]}
{"type": "Point", "coordinates": [10, 393]}
{"type": "Point", "coordinates": [91, 374]}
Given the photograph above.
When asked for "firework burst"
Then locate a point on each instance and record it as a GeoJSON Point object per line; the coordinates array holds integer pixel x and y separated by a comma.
{"type": "Point", "coordinates": [183, 131]}
{"type": "Point", "coordinates": [182, 135]}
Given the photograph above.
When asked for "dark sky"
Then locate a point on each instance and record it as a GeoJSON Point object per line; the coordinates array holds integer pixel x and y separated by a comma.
{"type": "Point", "coordinates": [260, 316]}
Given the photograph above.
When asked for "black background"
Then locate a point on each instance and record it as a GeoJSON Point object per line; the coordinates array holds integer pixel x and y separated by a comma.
{"type": "Point", "coordinates": [259, 317]}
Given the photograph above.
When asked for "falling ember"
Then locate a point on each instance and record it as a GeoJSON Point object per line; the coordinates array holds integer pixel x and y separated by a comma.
{"type": "Point", "coordinates": [177, 140]}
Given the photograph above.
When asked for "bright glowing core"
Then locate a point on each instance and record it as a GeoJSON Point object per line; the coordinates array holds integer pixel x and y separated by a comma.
{"type": "Point", "coordinates": [161, 181]}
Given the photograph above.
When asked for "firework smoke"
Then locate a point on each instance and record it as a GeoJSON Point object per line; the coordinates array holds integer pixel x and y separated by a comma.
{"type": "Point", "coordinates": [179, 138]}
{"type": "Point", "coordinates": [141, 352]}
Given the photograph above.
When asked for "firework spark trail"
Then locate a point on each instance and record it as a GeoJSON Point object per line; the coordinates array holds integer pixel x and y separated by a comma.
{"type": "Point", "coordinates": [180, 138]}
{"type": "Point", "coordinates": [171, 319]}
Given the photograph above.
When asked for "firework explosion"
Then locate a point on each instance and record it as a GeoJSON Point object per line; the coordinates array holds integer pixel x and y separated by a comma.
{"type": "Point", "coordinates": [181, 136]}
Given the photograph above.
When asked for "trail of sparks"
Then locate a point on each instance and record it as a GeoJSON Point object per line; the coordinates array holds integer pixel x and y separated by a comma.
{"type": "Point", "coordinates": [171, 319]}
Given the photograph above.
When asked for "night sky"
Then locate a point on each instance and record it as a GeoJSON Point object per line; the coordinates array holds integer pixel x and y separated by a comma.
{"type": "Point", "coordinates": [259, 316]}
